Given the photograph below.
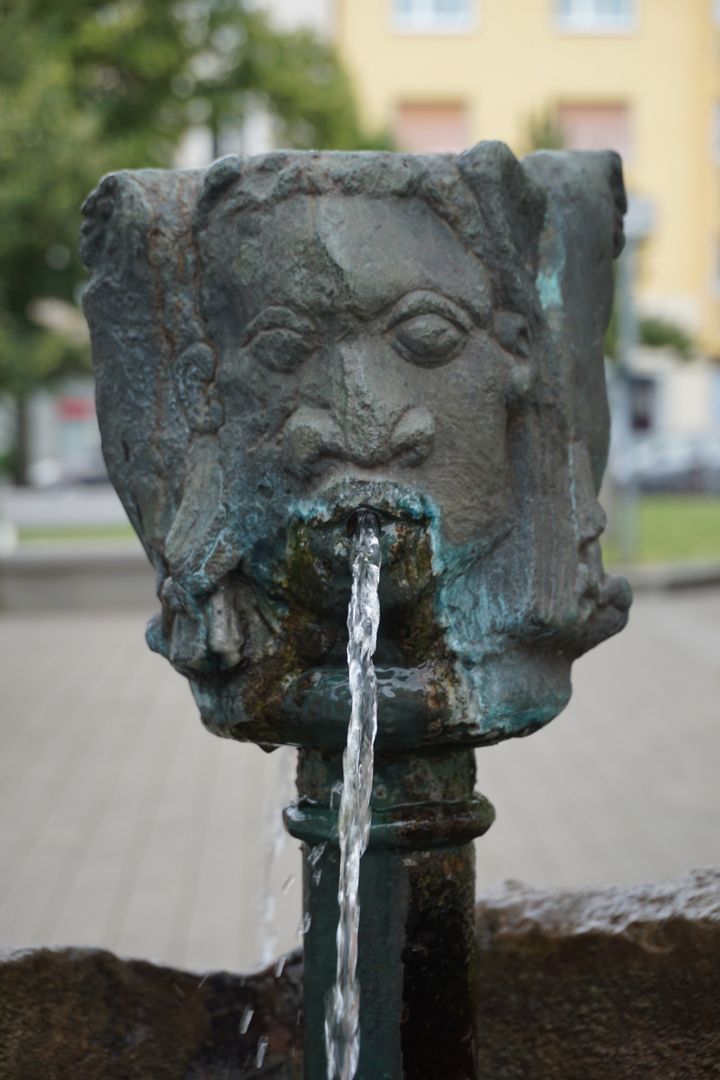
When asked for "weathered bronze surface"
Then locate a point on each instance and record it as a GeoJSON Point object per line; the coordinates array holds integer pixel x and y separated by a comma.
{"type": "Point", "coordinates": [282, 340]}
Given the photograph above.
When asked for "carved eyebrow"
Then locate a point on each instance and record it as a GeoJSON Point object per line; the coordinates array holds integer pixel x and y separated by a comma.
{"type": "Point", "coordinates": [278, 318]}
{"type": "Point", "coordinates": [422, 301]}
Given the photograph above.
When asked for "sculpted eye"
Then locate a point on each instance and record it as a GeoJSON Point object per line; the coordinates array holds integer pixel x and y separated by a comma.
{"type": "Point", "coordinates": [280, 349]}
{"type": "Point", "coordinates": [280, 338]}
{"type": "Point", "coordinates": [430, 339]}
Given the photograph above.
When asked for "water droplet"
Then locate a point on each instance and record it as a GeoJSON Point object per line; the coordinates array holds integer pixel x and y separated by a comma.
{"type": "Point", "coordinates": [261, 1051]}
{"type": "Point", "coordinates": [280, 967]}
{"type": "Point", "coordinates": [247, 1015]}
{"type": "Point", "coordinates": [305, 923]}
{"type": "Point", "coordinates": [277, 839]}
{"type": "Point", "coordinates": [285, 887]}
{"type": "Point", "coordinates": [316, 853]}
{"type": "Point", "coordinates": [336, 794]}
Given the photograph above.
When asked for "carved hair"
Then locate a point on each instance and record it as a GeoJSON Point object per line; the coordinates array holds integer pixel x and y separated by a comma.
{"type": "Point", "coordinates": [492, 205]}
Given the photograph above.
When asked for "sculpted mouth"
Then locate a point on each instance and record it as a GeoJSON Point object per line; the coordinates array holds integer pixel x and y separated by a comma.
{"type": "Point", "coordinates": [604, 606]}
{"type": "Point", "coordinates": [334, 503]}
{"type": "Point", "coordinates": [320, 545]}
{"type": "Point", "coordinates": [615, 592]}
{"type": "Point", "coordinates": [596, 588]}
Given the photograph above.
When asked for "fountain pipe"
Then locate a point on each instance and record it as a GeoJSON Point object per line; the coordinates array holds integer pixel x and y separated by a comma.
{"type": "Point", "coordinates": [416, 963]}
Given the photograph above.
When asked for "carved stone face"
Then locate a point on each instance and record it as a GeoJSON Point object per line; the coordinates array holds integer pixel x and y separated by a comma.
{"type": "Point", "coordinates": [354, 349]}
{"type": "Point", "coordinates": [415, 335]}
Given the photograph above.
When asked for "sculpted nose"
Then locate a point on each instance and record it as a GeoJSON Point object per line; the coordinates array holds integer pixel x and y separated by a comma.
{"type": "Point", "coordinates": [313, 434]}
{"type": "Point", "coordinates": [368, 420]}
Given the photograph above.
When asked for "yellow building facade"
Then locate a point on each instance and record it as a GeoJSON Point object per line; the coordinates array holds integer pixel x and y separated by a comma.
{"type": "Point", "coordinates": [642, 76]}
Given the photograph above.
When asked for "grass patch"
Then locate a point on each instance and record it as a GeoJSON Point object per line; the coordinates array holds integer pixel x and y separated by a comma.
{"type": "Point", "coordinates": [672, 528]}
{"type": "Point", "coordinates": [61, 533]}
{"type": "Point", "coordinates": [669, 528]}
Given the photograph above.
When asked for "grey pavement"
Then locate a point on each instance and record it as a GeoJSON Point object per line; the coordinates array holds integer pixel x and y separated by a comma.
{"type": "Point", "coordinates": [125, 825]}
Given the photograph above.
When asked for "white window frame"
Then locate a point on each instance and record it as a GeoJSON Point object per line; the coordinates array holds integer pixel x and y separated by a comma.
{"type": "Point", "coordinates": [715, 267]}
{"type": "Point", "coordinates": [715, 133]}
{"type": "Point", "coordinates": [586, 19]}
{"type": "Point", "coordinates": [425, 20]}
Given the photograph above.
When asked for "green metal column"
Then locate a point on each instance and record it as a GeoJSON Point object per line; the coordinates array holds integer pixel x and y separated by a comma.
{"type": "Point", "coordinates": [417, 890]}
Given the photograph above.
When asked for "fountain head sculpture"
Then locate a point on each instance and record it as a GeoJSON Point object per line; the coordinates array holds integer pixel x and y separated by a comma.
{"type": "Point", "coordinates": [282, 339]}
{"type": "Point", "coordinates": [286, 341]}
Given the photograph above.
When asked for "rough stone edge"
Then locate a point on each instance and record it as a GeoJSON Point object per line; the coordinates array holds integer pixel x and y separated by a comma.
{"type": "Point", "coordinates": [615, 910]}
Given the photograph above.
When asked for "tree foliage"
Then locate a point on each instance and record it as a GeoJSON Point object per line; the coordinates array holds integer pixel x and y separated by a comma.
{"type": "Point", "coordinates": [88, 87]}
{"type": "Point", "coordinates": [542, 131]}
{"type": "Point", "coordinates": [658, 332]}
{"type": "Point", "coordinates": [653, 331]}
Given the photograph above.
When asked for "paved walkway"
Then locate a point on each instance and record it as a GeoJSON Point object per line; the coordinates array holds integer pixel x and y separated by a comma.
{"type": "Point", "coordinates": [125, 825]}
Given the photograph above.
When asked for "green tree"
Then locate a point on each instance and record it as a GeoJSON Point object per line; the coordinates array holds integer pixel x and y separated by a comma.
{"type": "Point", "coordinates": [653, 331]}
{"type": "Point", "coordinates": [88, 87]}
{"type": "Point", "coordinates": [542, 131]}
{"type": "Point", "coordinates": [659, 332]}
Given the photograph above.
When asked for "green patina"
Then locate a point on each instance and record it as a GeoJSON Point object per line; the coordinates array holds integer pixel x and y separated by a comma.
{"type": "Point", "coordinates": [549, 290]}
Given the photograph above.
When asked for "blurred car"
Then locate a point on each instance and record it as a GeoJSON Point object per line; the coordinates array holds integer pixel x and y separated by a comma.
{"type": "Point", "coordinates": [665, 463]}
{"type": "Point", "coordinates": [85, 468]}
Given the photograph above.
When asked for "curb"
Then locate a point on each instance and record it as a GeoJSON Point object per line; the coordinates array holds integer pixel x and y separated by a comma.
{"type": "Point", "coordinates": [97, 576]}
{"type": "Point", "coordinates": [670, 576]}
{"type": "Point", "coordinates": [79, 577]}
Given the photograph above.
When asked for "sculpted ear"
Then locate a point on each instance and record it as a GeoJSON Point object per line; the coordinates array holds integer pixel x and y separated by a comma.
{"type": "Point", "coordinates": [511, 206]}
{"type": "Point", "coordinates": [582, 235]}
{"type": "Point", "coordinates": [583, 229]}
{"type": "Point", "coordinates": [510, 202]}
{"type": "Point", "coordinates": [137, 242]}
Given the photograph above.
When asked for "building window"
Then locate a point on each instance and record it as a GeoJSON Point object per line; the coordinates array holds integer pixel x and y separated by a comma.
{"type": "Point", "coordinates": [715, 134]}
{"type": "Point", "coordinates": [432, 16]}
{"type": "Point", "coordinates": [595, 16]}
{"type": "Point", "coordinates": [643, 393]}
{"type": "Point", "coordinates": [596, 127]}
{"type": "Point", "coordinates": [716, 268]}
{"type": "Point", "coordinates": [432, 128]}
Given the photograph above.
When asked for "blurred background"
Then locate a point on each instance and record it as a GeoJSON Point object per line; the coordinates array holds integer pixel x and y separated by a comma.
{"type": "Point", "coordinates": [124, 824]}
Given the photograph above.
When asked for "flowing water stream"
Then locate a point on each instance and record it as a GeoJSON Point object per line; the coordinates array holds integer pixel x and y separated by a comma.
{"type": "Point", "coordinates": [342, 1018]}
{"type": "Point", "coordinates": [284, 783]}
